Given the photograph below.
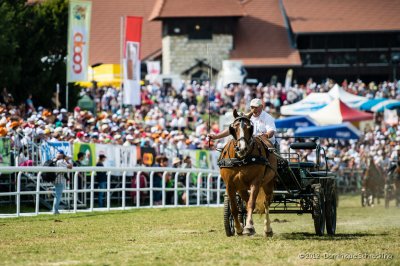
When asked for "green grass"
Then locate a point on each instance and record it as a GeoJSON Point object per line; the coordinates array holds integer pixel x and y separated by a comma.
{"type": "Point", "coordinates": [195, 236]}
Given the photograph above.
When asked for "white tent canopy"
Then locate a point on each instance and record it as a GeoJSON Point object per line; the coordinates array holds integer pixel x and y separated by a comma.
{"type": "Point", "coordinates": [338, 112]}
{"type": "Point", "coordinates": [351, 100]}
{"type": "Point", "coordinates": [315, 101]}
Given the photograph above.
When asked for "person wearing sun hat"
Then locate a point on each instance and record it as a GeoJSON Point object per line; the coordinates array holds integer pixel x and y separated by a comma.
{"type": "Point", "coordinates": [264, 123]}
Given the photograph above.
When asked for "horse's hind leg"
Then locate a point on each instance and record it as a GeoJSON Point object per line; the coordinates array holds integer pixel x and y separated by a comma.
{"type": "Point", "coordinates": [268, 189]}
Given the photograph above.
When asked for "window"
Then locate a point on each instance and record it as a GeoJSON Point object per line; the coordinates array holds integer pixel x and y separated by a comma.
{"type": "Point", "coordinates": [200, 31]}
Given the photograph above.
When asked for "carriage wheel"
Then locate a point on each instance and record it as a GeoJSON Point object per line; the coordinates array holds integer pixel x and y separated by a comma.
{"type": "Point", "coordinates": [229, 222]}
{"type": "Point", "coordinates": [330, 211]}
{"type": "Point", "coordinates": [318, 210]}
{"type": "Point", "coordinates": [242, 210]}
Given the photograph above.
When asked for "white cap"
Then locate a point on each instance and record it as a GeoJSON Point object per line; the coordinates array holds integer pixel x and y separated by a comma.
{"type": "Point", "coordinates": [63, 110]}
{"type": "Point", "coordinates": [256, 103]}
{"type": "Point", "coordinates": [129, 137]}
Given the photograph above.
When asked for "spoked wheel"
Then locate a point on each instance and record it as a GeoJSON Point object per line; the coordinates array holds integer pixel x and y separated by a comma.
{"type": "Point", "coordinates": [242, 210]}
{"type": "Point", "coordinates": [229, 222]}
{"type": "Point", "coordinates": [318, 209]}
{"type": "Point", "coordinates": [330, 211]}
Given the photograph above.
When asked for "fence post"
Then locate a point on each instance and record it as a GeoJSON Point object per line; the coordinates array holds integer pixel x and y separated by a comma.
{"type": "Point", "coordinates": [19, 193]}
{"type": "Point", "coordinates": [176, 188]}
{"type": "Point", "coordinates": [123, 189]}
{"type": "Point", "coordinates": [37, 203]}
{"type": "Point", "coordinates": [208, 189]}
{"type": "Point", "coordinates": [76, 191]}
{"type": "Point", "coordinates": [187, 188]}
{"type": "Point", "coordinates": [163, 188]}
{"type": "Point", "coordinates": [138, 188]}
{"type": "Point", "coordinates": [198, 188]}
{"type": "Point", "coordinates": [92, 190]}
{"type": "Point", "coordinates": [151, 188]}
{"type": "Point", "coordinates": [108, 189]}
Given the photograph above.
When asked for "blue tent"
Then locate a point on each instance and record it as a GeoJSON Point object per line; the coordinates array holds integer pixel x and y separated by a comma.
{"type": "Point", "coordinates": [388, 104]}
{"type": "Point", "coordinates": [367, 106]}
{"type": "Point", "coordinates": [340, 131]}
{"type": "Point", "coordinates": [380, 104]}
{"type": "Point", "coordinates": [294, 122]}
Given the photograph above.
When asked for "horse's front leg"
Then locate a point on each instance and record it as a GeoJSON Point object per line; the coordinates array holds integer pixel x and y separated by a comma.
{"type": "Point", "coordinates": [234, 209]}
{"type": "Point", "coordinates": [249, 228]}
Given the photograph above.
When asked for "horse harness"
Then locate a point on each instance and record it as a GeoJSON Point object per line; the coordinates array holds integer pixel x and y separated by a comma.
{"type": "Point", "coordinates": [247, 160]}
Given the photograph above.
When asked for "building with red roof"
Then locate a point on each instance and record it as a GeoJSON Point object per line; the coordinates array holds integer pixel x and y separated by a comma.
{"type": "Point", "coordinates": [316, 38]}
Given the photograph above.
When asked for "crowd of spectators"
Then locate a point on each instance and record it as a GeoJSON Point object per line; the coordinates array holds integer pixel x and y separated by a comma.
{"type": "Point", "coordinates": [177, 118]}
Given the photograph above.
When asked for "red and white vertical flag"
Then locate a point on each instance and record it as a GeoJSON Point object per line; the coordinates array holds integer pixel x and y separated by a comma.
{"type": "Point", "coordinates": [131, 61]}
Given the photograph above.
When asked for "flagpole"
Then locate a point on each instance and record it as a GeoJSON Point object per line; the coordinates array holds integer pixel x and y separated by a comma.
{"type": "Point", "coordinates": [66, 95]}
{"type": "Point", "coordinates": [121, 56]}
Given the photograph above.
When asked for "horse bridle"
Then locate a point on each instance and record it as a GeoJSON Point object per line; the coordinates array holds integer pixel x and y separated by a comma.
{"type": "Point", "coordinates": [248, 141]}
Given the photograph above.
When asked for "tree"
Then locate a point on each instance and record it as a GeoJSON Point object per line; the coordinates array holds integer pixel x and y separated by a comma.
{"type": "Point", "coordinates": [9, 61]}
{"type": "Point", "coordinates": [33, 48]}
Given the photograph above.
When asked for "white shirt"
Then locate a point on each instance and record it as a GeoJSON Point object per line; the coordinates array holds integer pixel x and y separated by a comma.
{"type": "Point", "coordinates": [262, 124]}
{"type": "Point", "coordinates": [60, 179]}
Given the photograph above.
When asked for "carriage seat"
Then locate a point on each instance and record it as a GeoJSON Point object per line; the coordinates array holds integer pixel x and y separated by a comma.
{"type": "Point", "coordinates": [303, 146]}
{"type": "Point", "coordinates": [303, 164]}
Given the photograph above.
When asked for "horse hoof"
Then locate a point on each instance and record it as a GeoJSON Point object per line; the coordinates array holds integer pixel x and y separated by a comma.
{"type": "Point", "coordinates": [269, 234]}
{"type": "Point", "coordinates": [240, 231]}
{"type": "Point", "coordinates": [249, 231]}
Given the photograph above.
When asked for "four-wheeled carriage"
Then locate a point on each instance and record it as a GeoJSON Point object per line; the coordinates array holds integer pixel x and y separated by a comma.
{"type": "Point", "coordinates": [302, 187]}
{"type": "Point", "coordinates": [392, 185]}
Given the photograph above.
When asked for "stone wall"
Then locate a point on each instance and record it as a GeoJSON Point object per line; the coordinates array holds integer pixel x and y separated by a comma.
{"type": "Point", "coordinates": [180, 53]}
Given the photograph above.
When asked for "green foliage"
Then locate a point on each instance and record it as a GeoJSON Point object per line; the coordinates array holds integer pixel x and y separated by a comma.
{"type": "Point", "coordinates": [34, 38]}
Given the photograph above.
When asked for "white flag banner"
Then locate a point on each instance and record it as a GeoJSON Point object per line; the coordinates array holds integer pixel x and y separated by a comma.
{"type": "Point", "coordinates": [78, 40]}
{"type": "Point", "coordinates": [132, 74]}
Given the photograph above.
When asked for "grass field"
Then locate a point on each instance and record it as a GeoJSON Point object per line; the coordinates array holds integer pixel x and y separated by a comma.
{"type": "Point", "coordinates": [195, 236]}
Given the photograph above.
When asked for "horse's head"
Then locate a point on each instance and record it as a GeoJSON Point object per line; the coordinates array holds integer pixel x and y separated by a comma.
{"type": "Point", "coordinates": [242, 131]}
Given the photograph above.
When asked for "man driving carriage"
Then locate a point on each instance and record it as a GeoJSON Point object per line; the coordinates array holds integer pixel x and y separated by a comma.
{"type": "Point", "coordinates": [264, 123]}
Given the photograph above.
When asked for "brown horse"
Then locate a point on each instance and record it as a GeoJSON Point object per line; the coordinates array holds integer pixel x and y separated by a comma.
{"type": "Point", "coordinates": [372, 184]}
{"type": "Point", "coordinates": [247, 163]}
{"type": "Point", "coordinates": [392, 186]}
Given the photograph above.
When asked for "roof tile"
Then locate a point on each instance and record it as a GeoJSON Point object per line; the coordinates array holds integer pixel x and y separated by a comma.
{"type": "Point", "coordinates": [262, 38]}
{"type": "Point", "coordinates": [316, 16]}
{"type": "Point", "coordinates": [105, 29]}
{"type": "Point", "coordinates": [196, 8]}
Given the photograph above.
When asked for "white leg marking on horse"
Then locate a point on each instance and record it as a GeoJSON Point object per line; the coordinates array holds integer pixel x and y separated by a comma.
{"type": "Point", "coordinates": [267, 223]}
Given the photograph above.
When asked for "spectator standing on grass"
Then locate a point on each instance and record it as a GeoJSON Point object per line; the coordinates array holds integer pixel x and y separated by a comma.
{"type": "Point", "coordinates": [59, 183]}
{"type": "Point", "coordinates": [101, 178]}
